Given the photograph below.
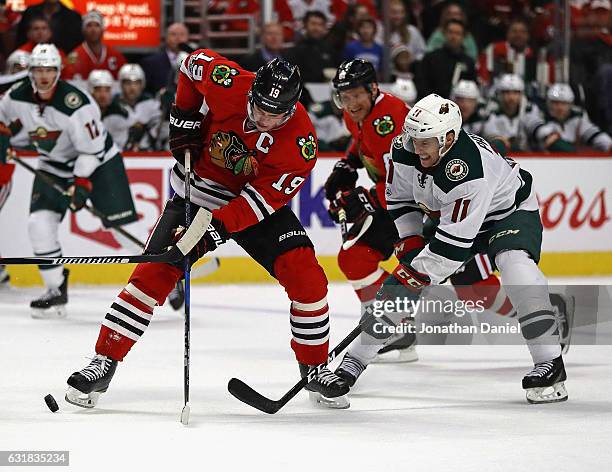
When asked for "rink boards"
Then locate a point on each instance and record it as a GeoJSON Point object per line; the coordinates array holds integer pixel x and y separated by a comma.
{"type": "Point", "coordinates": [574, 194]}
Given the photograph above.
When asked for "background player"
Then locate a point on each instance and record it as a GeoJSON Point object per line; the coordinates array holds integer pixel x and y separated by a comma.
{"type": "Point", "coordinates": [254, 146]}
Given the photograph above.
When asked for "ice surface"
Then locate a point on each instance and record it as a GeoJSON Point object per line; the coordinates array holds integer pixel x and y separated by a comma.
{"type": "Point", "coordinates": [458, 408]}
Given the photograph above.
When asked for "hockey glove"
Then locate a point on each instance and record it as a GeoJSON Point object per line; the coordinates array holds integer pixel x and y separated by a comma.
{"type": "Point", "coordinates": [135, 134]}
{"type": "Point", "coordinates": [185, 134]}
{"type": "Point", "coordinates": [357, 204]}
{"type": "Point", "coordinates": [79, 193]}
{"type": "Point", "coordinates": [5, 142]}
{"type": "Point", "coordinates": [408, 248]}
{"type": "Point", "coordinates": [404, 282]}
{"type": "Point", "coordinates": [343, 177]}
{"type": "Point", "coordinates": [215, 235]}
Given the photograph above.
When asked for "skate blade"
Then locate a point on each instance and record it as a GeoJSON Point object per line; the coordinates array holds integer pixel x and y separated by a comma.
{"type": "Point", "coordinates": [397, 356]}
{"type": "Point", "coordinates": [336, 403]}
{"type": "Point", "coordinates": [52, 313]}
{"type": "Point", "coordinates": [84, 400]}
{"type": "Point", "coordinates": [555, 393]}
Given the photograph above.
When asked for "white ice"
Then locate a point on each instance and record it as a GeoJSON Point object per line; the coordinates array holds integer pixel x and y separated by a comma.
{"type": "Point", "coordinates": [459, 408]}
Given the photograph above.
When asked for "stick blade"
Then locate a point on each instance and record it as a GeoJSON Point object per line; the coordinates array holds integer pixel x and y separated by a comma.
{"type": "Point", "coordinates": [247, 395]}
{"type": "Point", "coordinates": [185, 414]}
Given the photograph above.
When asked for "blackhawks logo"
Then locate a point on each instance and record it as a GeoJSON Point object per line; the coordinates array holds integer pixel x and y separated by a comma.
{"type": "Point", "coordinates": [308, 146]}
{"type": "Point", "coordinates": [227, 150]}
{"type": "Point", "coordinates": [223, 75]}
{"type": "Point", "coordinates": [383, 125]}
{"type": "Point", "coordinates": [44, 139]}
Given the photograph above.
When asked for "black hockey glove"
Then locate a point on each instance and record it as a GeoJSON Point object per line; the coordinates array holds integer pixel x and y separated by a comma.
{"type": "Point", "coordinates": [343, 177]}
{"type": "Point", "coordinates": [135, 134]}
{"type": "Point", "coordinates": [79, 193]}
{"type": "Point", "coordinates": [215, 235]}
{"type": "Point", "coordinates": [185, 133]}
{"type": "Point", "coordinates": [357, 204]}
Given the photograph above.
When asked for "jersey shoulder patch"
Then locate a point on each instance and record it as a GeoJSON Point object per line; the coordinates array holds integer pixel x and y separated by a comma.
{"type": "Point", "coordinates": [462, 163]}
{"type": "Point", "coordinates": [68, 98]}
{"type": "Point", "coordinates": [223, 75]}
{"type": "Point", "coordinates": [384, 125]}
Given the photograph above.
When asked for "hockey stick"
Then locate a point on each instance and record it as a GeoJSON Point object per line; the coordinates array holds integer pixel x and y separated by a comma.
{"type": "Point", "coordinates": [247, 395]}
{"type": "Point", "coordinates": [194, 233]}
{"type": "Point", "coordinates": [342, 220]}
{"type": "Point", "coordinates": [94, 211]}
{"type": "Point", "coordinates": [349, 243]}
{"type": "Point", "coordinates": [186, 409]}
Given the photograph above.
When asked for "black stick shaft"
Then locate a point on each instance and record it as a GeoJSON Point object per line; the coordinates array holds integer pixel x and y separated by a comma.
{"type": "Point", "coordinates": [187, 279]}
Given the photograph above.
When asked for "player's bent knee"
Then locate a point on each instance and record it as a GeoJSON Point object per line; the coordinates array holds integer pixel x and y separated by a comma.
{"type": "Point", "coordinates": [299, 272]}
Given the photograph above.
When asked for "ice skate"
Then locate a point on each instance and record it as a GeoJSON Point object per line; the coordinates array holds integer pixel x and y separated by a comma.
{"type": "Point", "coordinates": [545, 383]}
{"type": "Point", "coordinates": [326, 388]}
{"type": "Point", "coordinates": [52, 304]}
{"type": "Point", "coordinates": [86, 385]}
{"type": "Point", "coordinates": [350, 369]}
{"type": "Point", "coordinates": [400, 349]}
{"type": "Point", "coordinates": [564, 307]}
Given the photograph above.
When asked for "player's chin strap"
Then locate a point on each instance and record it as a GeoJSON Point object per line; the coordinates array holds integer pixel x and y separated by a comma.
{"type": "Point", "coordinates": [195, 232]}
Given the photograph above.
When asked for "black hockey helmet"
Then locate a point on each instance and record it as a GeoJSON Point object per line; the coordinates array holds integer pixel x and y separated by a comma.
{"type": "Point", "coordinates": [353, 74]}
{"type": "Point", "coordinates": [277, 87]}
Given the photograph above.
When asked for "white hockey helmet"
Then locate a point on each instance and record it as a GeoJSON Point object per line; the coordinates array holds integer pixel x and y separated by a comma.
{"type": "Point", "coordinates": [17, 59]}
{"type": "Point", "coordinates": [432, 117]}
{"type": "Point", "coordinates": [510, 83]}
{"type": "Point", "coordinates": [405, 90]}
{"type": "Point", "coordinates": [132, 73]}
{"type": "Point", "coordinates": [560, 93]}
{"type": "Point", "coordinates": [45, 55]}
{"type": "Point", "coordinates": [99, 78]}
{"type": "Point", "coordinates": [465, 89]}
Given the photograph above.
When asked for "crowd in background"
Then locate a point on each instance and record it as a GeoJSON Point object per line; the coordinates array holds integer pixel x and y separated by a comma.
{"type": "Point", "coordinates": [496, 58]}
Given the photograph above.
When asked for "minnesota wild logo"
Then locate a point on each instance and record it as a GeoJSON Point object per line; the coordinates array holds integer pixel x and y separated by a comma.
{"type": "Point", "coordinates": [384, 125]}
{"type": "Point", "coordinates": [223, 75]}
{"type": "Point", "coordinates": [308, 146]}
{"type": "Point", "coordinates": [44, 139]}
{"type": "Point", "coordinates": [227, 150]}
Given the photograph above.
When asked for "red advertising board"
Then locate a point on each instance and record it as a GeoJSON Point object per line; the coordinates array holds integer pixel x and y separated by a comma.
{"type": "Point", "coordinates": [129, 23]}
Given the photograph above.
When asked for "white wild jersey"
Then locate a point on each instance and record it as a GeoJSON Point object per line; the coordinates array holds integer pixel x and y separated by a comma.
{"type": "Point", "coordinates": [67, 131]}
{"type": "Point", "coordinates": [578, 129]}
{"type": "Point", "coordinates": [146, 112]}
{"type": "Point", "coordinates": [522, 130]}
{"type": "Point", "coordinates": [471, 187]}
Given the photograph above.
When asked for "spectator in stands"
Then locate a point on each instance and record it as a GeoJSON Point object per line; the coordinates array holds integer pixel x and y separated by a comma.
{"type": "Point", "coordinates": [158, 67]}
{"type": "Point", "coordinates": [299, 9]}
{"type": "Point", "coordinates": [312, 53]}
{"type": "Point", "coordinates": [93, 53]}
{"type": "Point", "coordinates": [65, 24]}
{"type": "Point", "coordinates": [282, 12]}
{"type": "Point", "coordinates": [442, 68]}
{"type": "Point", "coordinates": [39, 32]}
{"type": "Point", "coordinates": [144, 110]}
{"type": "Point", "coordinates": [436, 40]}
{"type": "Point", "coordinates": [474, 112]}
{"type": "Point", "coordinates": [402, 64]}
{"type": "Point", "coordinates": [271, 47]}
{"type": "Point", "coordinates": [365, 47]}
{"type": "Point", "coordinates": [591, 62]}
{"type": "Point", "coordinates": [513, 56]}
{"type": "Point", "coordinates": [345, 30]}
{"type": "Point", "coordinates": [402, 32]}
{"type": "Point", "coordinates": [572, 123]}
{"type": "Point", "coordinates": [339, 8]}
{"type": "Point", "coordinates": [115, 117]}
{"type": "Point", "coordinates": [516, 124]}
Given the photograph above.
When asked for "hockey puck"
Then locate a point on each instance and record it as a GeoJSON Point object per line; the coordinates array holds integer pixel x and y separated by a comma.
{"type": "Point", "coordinates": [51, 403]}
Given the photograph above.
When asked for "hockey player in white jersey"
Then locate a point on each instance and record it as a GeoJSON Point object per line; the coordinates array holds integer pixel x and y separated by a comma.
{"type": "Point", "coordinates": [115, 117]}
{"type": "Point", "coordinates": [62, 123]}
{"type": "Point", "coordinates": [516, 124]}
{"type": "Point", "coordinates": [487, 203]}
{"type": "Point", "coordinates": [466, 95]}
{"type": "Point", "coordinates": [145, 111]}
{"type": "Point", "coordinates": [572, 123]}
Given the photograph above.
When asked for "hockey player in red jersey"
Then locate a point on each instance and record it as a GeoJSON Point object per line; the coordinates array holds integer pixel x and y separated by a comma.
{"type": "Point", "coordinates": [256, 146]}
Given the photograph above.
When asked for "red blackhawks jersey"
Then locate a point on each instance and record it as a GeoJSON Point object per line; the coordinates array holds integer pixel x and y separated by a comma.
{"type": "Point", "coordinates": [82, 61]}
{"type": "Point", "coordinates": [373, 138]}
{"type": "Point", "coordinates": [243, 174]}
